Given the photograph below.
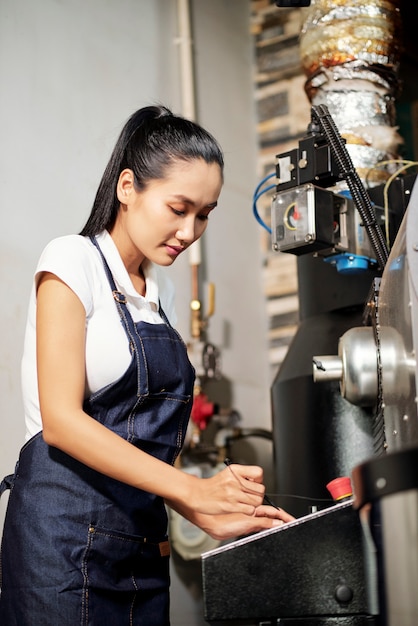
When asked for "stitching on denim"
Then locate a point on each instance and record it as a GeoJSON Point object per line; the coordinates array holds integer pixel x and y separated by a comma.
{"type": "Point", "coordinates": [131, 419]}
{"type": "Point", "coordinates": [144, 359]}
{"type": "Point", "coordinates": [180, 429]}
{"type": "Point", "coordinates": [166, 397]}
{"type": "Point", "coordinates": [85, 592]}
{"type": "Point", "coordinates": [111, 535]}
{"type": "Point", "coordinates": [134, 345]}
{"type": "Point", "coordinates": [131, 612]}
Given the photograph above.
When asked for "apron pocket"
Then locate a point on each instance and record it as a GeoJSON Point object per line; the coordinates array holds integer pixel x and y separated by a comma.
{"type": "Point", "coordinates": [124, 575]}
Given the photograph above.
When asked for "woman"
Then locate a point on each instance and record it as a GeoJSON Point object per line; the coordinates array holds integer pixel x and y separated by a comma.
{"type": "Point", "coordinates": [107, 388]}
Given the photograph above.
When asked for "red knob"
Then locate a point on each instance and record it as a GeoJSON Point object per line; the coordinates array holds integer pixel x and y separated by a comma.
{"type": "Point", "coordinates": [202, 410]}
{"type": "Point", "coordinates": [340, 488]}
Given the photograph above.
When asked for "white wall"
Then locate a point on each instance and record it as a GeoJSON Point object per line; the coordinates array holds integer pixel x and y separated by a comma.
{"type": "Point", "coordinates": [70, 74]}
{"type": "Point", "coordinates": [230, 246]}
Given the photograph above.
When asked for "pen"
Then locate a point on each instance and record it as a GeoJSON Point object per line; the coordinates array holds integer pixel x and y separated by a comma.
{"type": "Point", "coordinates": [266, 499]}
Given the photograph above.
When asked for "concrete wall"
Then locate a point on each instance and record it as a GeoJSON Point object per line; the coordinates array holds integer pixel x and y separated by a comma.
{"type": "Point", "coordinates": [71, 72]}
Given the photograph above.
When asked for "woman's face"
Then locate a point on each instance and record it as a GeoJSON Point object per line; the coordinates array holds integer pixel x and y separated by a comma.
{"type": "Point", "coordinates": [162, 220]}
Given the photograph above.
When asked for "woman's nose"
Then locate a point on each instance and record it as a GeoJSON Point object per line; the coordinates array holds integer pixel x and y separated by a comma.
{"type": "Point", "coordinates": [187, 231]}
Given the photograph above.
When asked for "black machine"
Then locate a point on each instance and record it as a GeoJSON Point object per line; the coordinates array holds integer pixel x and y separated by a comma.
{"type": "Point", "coordinates": [312, 567]}
{"type": "Point", "coordinates": [328, 568]}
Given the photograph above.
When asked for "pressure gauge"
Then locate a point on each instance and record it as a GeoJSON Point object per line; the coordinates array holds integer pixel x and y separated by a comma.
{"type": "Point", "coordinates": [302, 219]}
{"type": "Point", "coordinates": [295, 218]}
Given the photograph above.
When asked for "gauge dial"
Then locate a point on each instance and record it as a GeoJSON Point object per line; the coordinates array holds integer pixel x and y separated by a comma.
{"type": "Point", "coordinates": [292, 216]}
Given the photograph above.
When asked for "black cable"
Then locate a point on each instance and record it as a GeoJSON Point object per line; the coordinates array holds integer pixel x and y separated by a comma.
{"type": "Point", "coordinates": [359, 194]}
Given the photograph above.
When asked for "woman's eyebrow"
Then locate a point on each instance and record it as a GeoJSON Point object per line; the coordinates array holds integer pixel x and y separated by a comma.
{"type": "Point", "coordinates": [186, 200]}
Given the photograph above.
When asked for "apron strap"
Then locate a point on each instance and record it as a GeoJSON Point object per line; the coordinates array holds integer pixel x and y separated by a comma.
{"type": "Point", "coordinates": [118, 296]}
{"type": "Point", "coordinates": [134, 339]}
{"type": "Point", "coordinates": [6, 483]}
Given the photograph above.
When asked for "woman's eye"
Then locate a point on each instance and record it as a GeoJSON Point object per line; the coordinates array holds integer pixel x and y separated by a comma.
{"type": "Point", "coordinates": [203, 217]}
{"type": "Point", "coordinates": [176, 211]}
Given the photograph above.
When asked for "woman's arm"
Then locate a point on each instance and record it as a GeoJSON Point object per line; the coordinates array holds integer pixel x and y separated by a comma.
{"type": "Point", "coordinates": [61, 380]}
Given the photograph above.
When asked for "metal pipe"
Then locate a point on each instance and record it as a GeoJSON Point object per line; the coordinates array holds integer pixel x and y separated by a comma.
{"type": "Point", "coordinates": [185, 43]}
{"type": "Point", "coordinates": [188, 101]}
{"type": "Point", "coordinates": [350, 53]}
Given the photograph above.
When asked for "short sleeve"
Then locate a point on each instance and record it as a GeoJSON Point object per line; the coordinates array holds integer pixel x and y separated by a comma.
{"type": "Point", "coordinates": [72, 260]}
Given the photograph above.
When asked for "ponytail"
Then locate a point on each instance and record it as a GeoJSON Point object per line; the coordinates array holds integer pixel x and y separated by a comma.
{"type": "Point", "coordinates": [151, 140]}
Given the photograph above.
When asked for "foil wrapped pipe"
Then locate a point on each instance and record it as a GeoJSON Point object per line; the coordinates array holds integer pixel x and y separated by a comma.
{"type": "Point", "coordinates": [350, 54]}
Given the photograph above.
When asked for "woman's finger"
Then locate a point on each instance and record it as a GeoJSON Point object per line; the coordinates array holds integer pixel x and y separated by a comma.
{"type": "Point", "coordinates": [265, 510]}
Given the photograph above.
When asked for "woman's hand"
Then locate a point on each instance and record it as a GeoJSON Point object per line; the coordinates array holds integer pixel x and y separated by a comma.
{"type": "Point", "coordinates": [224, 527]}
{"type": "Point", "coordinates": [230, 504]}
{"type": "Point", "coordinates": [236, 489]}
{"type": "Point", "coordinates": [233, 525]}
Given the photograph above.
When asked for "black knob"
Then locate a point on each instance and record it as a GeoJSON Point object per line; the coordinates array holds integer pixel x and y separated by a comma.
{"type": "Point", "coordinates": [343, 594]}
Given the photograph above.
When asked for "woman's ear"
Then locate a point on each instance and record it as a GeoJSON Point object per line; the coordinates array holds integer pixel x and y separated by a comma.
{"type": "Point", "coordinates": [125, 186]}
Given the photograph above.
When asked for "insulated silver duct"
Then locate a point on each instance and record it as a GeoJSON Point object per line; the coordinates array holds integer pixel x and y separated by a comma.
{"type": "Point", "coordinates": [350, 54]}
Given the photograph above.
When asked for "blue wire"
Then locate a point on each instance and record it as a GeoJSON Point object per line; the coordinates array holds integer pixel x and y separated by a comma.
{"type": "Point", "coordinates": [265, 179]}
{"type": "Point", "coordinates": [257, 195]}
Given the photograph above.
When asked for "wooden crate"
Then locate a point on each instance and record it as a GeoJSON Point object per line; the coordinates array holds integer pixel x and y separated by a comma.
{"type": "Point", "coordinates": [283, 114]}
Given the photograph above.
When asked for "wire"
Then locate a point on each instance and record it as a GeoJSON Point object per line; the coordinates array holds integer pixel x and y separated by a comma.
{"type": "Point", "coordinates": [257, 216]}
{"type": "Point", "coordinates": [406, 164]}
{"type": "Point", "coordinates": [264, 180]}
{"type": "Point", "coordinates": [361, 200]}
{"type": "Point", "coordinates": [382, 163]}
{"type": "Point", "coordinates": [293, 495]}
{"type": "Point", "coordinates": [257, 194]}
{"type": "Point", "coordinates": [386, 197]}
{"type": "Point", "coordinates": [266, 499]}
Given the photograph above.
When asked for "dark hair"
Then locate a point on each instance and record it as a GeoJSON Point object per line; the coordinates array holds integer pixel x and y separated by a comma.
{"type": "Point", "coordinates": [151, 140]}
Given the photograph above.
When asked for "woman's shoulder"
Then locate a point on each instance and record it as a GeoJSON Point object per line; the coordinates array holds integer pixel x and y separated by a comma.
{"type": "Point", "coordinates": [72, 259]}
{"type": "Point", "coordinates": [68, 244]}
{"type": "Point", "coordinates": [69, 250]}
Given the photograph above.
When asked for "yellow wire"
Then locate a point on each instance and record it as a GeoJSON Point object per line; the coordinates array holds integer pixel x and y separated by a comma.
{"type": "Point", "coordinates": [407, 164]}
{"type": "Point", "coordinates": [386, 196]}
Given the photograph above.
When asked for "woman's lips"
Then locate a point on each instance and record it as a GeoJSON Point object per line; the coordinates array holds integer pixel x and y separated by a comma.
{"type": "Point", "coordinates": [174, 250]}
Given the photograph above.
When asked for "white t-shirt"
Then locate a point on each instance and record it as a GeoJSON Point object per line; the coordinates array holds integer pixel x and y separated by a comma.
{"type": "Point", "coordinates": [77, 262]}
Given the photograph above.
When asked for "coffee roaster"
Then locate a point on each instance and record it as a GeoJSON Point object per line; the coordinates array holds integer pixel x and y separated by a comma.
{"type": "Point", "coordinates": [344, 404]}
{"type": "Point", "coordinates": [344, 401]}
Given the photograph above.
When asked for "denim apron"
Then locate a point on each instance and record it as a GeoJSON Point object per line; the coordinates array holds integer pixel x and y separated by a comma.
{"type": "Point", "coordinates": [80, 547]}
